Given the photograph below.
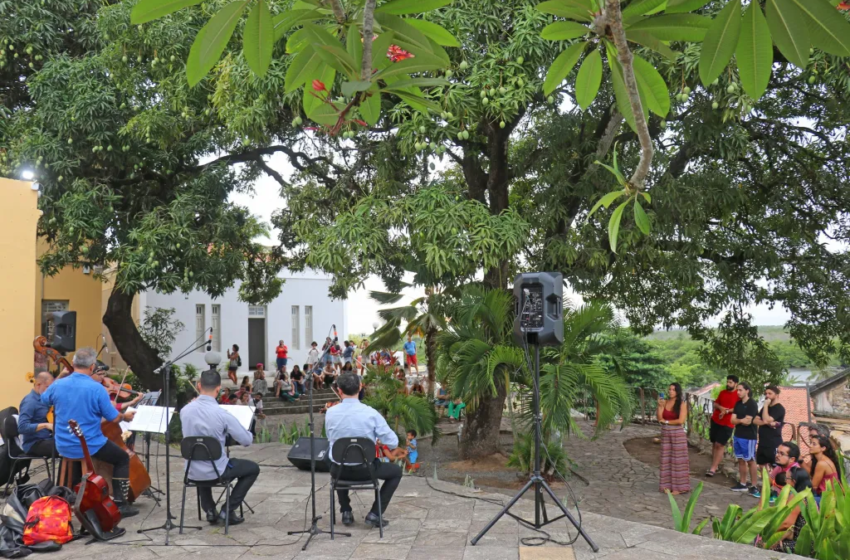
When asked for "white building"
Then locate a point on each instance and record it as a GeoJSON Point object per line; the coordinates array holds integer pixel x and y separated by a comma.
{"type": "Point", "coordinates": [301, 314]}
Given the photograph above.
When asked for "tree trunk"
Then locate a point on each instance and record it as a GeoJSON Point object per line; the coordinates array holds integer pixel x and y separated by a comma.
{"type": "Point", "coordinates": [431, 355]}
{"type": "Point", "coordinates": [481, 427]}
{"type": "Point", "coordinates": [138, 354]}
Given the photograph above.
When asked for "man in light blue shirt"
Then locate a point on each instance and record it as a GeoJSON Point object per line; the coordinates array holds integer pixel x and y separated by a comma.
{"type": "Point", "coordinates": [204, 417]}
{"type": "Point", "coordinates": [410, 359]}
{"type": "Point", "coordinates": [351, 418]}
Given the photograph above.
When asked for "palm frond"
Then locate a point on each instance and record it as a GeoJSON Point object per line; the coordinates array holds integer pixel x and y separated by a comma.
{"type": "Point", "coordinates": [386, 298]}
{"type": "Point", "coordinates": [405, 313]}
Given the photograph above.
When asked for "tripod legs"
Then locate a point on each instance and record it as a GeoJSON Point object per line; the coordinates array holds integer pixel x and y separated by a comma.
{"type": "Point", "coordinates": [538, 484]}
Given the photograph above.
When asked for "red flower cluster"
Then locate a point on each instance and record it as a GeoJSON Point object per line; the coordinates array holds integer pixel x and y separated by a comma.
{"type": "Point", "coordinates": [844, 6]}
{"type": "Point", "coordinates": [319, 86]}
{"type": "Point", "coordinates": [396, 53]}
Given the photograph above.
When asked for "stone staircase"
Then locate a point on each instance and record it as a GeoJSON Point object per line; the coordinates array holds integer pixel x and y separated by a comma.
{"type": "Point", "coordinates": [276, 407]}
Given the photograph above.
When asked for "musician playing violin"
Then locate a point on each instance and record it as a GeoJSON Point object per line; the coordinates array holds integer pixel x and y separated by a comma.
{"type": "Point", "coordinates": [36, 430]}
{"type": "Point", "coordinates": [81, 396]}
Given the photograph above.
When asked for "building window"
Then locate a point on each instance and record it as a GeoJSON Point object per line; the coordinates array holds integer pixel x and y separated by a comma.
{"type": "Point", "coordinates": [295, 341]}
{"type": "Point", "coordinates": [216, 325]}
{"type": "Point", "coordinates": [308, 324]}
{"type": "Point", "coordinates": [51, 305]}
{"type": "Point", "coordinates": [256, 311]}
{"type": "Point", "coordinates": [200, 323]}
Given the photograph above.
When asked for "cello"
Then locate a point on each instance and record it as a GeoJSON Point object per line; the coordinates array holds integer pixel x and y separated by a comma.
{"type": "Point", "coordinates": [93, 492]}
{"type": "Point", "coordinates": [41, 347]}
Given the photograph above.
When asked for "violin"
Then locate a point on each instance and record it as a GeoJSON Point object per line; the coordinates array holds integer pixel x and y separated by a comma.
{"type": "Point", "coordinates": [41, 347]}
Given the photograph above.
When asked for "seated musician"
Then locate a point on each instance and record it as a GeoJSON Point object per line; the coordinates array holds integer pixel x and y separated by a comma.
{"type": "Point", "coordinates": [36, 431]}
{"type": "Point", "coordinates": [204, 417]}
{"type": "Point", "coordinates": [351, 418]}
{"type": "Point", "coordinates": [82, 397]}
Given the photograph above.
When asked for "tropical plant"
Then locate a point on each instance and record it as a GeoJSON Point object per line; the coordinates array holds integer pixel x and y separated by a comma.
{"type": "Point", "coordinates": [413, 412]}
{"type": "Point", "coordinates": [553, 459]}
{"type": "Point", "coordinates": [826, 534]}
{"type": "Point", "coordinates": [682, 522]}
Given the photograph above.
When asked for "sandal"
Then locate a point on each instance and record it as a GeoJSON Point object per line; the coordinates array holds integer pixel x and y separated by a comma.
{"type": "Point", "coordinates": [709, 473]}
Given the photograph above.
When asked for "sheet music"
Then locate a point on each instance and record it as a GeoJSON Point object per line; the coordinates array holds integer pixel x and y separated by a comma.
{"type": "Point", "coordinates": [149, 399]}
{"type": "Point", "coordinates": [150, 419]}
{"type": "Point", "coordinates": [245, 414]}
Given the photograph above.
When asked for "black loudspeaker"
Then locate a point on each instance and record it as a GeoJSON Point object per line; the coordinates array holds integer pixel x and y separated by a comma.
{"type": "Point", "coordinates": [299, 455]}
{"type": "Point", "coordinates": [60, 329]}
{"type": "Point", "coordinates": [539, 308]}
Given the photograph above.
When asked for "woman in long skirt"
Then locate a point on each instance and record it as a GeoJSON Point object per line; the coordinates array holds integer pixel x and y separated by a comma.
{"type": "Point", "coordinates": [675, 468]}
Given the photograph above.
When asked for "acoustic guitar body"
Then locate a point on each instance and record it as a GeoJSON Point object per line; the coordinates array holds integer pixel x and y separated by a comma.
{"type": "Point", "coordinates": [93, 494]}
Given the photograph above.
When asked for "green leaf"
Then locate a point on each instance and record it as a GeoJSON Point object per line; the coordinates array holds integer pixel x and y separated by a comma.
{"type": "Point", "coordinates": [302, 68]}
{"type": "Point", "coordinates": [647, 197]}
{"type": "Point", "coordinates": [788, 29]}
{"type": "Point", "coordinates": [325, 113]}
{"type": "Point", "coordinates": [754, 53]}
{"type": "Point", "coordinates": [677, 513]}
{"type": "Point", "coordinates": [370, 106]}
{"type": "Point", "coordinates": [652, 86]}
{"type": "Point", "coordinates": [642, 221]}
{"type": "Point", "coordinates": [350, 88]}
{"type": "Point", "coordinates": [620, 94]}
{"type": "Point", "coordinates": [563, 31]}
{"type": "Point", "coordinates": [572, 9]}
{"type": "Point", "coordinates": [324, 74]}
{"type": "Point", "coordinates": [420, 63]}
{"type": "Point", "coordinates": [211, 41]}
{"type": "Point", "coordinates": [339, 59]}
{"type": "Point", "coordinates": [407, 36]}
{"type": "Point", "coordinates": [682, 6]}
{"type": "Point", "coordinates": [606, 200]}
{"type": "Point", "coordinates": [674, 27]}
{"type": "Point", "coordinates": [149, 10]}
{"type": "Point", "coordinates": [830, 31]}
{"type": "Point", "coordinates": [353, 44]}
{"type": "Point", "coordinates": [258, 38]}
{"type": "Point", "coordinates": [561, 67]}
{"type": "Point", "coordinates": [589, 79]}
{"type": "Point", "coordinates": [645, 39]}
{"type": "Point", "coordinates": [419, 82]}
{"type": "Point", "coordinates": [642, 7]}
{"type": "Point", "coordinates": [614, 225]}
{"type": "Point", "coordinates": [399, 7]}
{"type": "Point", "coordinates": [698, 529]}
{"type": "Point", "coordinates": [416, 101]}
{"type": "Point", "coordinates": [437, 33]}
{"type": "Point", "coordinates": [720, 42]}
{"type": "Point", "coordinates": [290, 18]}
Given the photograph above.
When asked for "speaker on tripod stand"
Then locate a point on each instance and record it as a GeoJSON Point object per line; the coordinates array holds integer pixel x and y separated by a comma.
{"type": "Point", "coordinates": [539, 322]}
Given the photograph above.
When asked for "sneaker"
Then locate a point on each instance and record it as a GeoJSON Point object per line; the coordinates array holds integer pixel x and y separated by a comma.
{"type": "Point", "coordinates": [754, 492]}
{"type": "Point", "coordinates": [740, 487]}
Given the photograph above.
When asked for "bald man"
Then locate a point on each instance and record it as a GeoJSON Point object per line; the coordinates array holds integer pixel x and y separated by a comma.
{"type": "Point", "coordinates": [37, 432]}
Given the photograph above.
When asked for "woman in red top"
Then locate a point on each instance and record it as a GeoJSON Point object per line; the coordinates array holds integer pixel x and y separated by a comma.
{"type": "Point", "coordinates": [675, 466]}
{"type": "Point", "coordinates": [282, 358]}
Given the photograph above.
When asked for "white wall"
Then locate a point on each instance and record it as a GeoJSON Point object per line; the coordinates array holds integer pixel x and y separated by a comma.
{"type": "Point", "coordinates": [301, 289]}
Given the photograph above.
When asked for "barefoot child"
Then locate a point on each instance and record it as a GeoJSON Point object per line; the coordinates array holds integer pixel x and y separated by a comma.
{"type": "Point", "coordinates": [410, 462]}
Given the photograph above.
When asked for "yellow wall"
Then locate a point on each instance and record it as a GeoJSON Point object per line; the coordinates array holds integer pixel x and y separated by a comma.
{"type": "Point", "coordinates": [83, 293]}
{"type": "Point", "coordinates": [17, 287]}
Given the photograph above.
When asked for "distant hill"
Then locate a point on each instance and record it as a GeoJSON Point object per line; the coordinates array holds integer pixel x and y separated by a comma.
{"type": "Point", "coordinates": [771, 333]}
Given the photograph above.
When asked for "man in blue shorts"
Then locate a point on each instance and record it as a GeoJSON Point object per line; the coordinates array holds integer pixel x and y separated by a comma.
{"type": "Point", "coordinates": [745, 438]}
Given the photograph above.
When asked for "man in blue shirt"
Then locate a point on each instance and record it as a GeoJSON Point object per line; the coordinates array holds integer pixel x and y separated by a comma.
{"type": "Point", "coordinates": [204, 417]}
{"type": "Point", "coordinates": [82, 397]}
{"type": "Point", "coordinates": [410, 354]}
{"type": "Point", "coordinates": [351, 418]}
{"type": "Point", "coordinates": [36, 431]}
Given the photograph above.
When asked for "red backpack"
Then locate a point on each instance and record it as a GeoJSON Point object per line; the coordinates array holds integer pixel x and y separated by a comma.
{"type": "Point", "coordinates": [48, 519]}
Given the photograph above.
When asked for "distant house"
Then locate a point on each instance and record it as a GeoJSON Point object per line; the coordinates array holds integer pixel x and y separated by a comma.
{"type": "Point", "coordinates": [831, 399]}
{"type": "Point", "coordinates": [704, 391]}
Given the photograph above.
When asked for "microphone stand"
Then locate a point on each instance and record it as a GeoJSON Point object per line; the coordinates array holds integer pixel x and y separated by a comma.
{"type": "Point", "coordinates": [314, 526]}
{"type": "Point", "coordinates": [165, 369]}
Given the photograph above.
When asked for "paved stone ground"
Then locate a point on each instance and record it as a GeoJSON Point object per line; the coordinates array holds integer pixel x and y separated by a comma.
{"type": "Point", "coordinates": [425, 524]}
{"type": "Point", "coordinates": [624, 487]}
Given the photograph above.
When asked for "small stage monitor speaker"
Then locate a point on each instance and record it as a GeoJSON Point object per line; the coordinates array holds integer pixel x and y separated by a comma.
{"type": "Point", "coordinates": [299, 455]}
{"type": "Point", "coordinates": [539, 308]}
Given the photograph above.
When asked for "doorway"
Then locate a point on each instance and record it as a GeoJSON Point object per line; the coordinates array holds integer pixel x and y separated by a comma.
{"type": "Point", "coordinates": [256, 336]}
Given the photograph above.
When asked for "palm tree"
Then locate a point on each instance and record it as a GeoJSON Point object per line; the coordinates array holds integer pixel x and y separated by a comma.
{"type": "Point", "coordinates": [478, 357]}
{"type": "Point", "coordinates": [386, 395]}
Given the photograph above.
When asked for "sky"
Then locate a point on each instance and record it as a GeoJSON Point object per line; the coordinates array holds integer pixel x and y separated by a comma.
{"type": "Point", "coordinates": [362, 311]}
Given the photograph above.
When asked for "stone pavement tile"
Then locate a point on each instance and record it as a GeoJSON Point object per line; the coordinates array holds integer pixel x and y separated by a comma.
{"type": "Point", "coordinates": [380, 551]}
{"type": "Point", "coordinates": [546, 553]}
{"type": "Point", "coordinates": [446, 524]}
{"type": "Point", "coordinates": [638, 534]}
{"type": "Point", "coordinates": [429, 538]}
{"type": "Point", "coordinates": [491, 553]}
{"type": "Point", "coordinates": [277, 552]}
{"type": "Point", "coordinates": [507, 540]}
{"type": "Point", "coordinates": [504, 525]}
{"type": "Point", "coordinates": [436, 553]}
{"type": "Point", "coordinates": [394, 536]}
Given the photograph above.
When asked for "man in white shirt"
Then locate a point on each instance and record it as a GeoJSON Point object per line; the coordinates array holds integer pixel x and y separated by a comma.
{"type": "Point", "coordinates": [351, 418]}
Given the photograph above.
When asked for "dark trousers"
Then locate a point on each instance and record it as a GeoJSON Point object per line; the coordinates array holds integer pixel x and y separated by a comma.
{"type": "Point", "coordinates": [388, 472]}
{"type": "Point", "coordinates": [245, 472]}
{"type": "Point", "coordinates": [43, 448]}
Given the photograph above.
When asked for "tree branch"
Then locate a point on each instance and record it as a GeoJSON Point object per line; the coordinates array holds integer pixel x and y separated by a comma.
{"type": "Point", "coordinates": [607, 139]}
{"type": "Point", "coordinates": [615, 21]}
{"type": "Point", "coordinates": [339, 13]}
{"type": "Point", "coordinates": [368, 24]}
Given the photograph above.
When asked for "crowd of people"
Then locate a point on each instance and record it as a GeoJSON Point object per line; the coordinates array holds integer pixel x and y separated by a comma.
{"type": "Point", "coordinates": [758, 446]}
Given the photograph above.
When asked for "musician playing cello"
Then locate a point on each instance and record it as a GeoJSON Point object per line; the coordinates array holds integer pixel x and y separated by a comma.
{"type": "Point", "coordinates": [82, 397]}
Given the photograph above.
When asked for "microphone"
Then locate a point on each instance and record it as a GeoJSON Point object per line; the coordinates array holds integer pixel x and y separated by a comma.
{"type": "Point", "coordinates": [209, 340]}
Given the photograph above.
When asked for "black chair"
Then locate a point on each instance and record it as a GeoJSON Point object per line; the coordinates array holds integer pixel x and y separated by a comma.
{"type": "Point", "coordinates": [204, 448]}
{"type": "Point", "coordinates": [15, 453]}
{"type": "Point", "coordinates": [354, 453]}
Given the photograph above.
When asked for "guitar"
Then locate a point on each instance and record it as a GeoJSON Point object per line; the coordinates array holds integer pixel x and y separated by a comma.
{"type": "Point", "coordinates": [93, 493]}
